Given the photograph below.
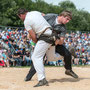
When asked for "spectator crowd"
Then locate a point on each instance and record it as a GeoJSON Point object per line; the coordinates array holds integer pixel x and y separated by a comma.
{"type": "Point", "coordinates": [16, 48]}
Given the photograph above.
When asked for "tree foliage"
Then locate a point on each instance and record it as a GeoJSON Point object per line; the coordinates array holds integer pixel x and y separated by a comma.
{"type": "Point", "coordinates": [67, 4]}
{"type": "Point", "coordinates": [8, 11]}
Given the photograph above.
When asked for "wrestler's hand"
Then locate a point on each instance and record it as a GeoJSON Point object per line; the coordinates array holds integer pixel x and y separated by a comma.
{"type": "Point", "coordinates": [28, 36]}
{"type": "Point", "coordinates": [57, 41]}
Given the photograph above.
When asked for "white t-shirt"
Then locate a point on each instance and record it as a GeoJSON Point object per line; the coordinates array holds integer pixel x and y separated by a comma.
{"type": "Point", "coordinates": [35, 21]}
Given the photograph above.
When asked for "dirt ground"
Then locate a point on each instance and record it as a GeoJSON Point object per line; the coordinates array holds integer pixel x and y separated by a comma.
{"type": "Point", "coordinates": [13, 79]}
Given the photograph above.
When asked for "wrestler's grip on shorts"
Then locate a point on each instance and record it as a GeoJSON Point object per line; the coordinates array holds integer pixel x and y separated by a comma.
{"type": "Point", "coordinates": [59, 41]}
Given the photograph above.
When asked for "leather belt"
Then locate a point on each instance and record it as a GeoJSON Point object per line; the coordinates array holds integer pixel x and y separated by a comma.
{"type": "Point", "coordinates": [45, 30]}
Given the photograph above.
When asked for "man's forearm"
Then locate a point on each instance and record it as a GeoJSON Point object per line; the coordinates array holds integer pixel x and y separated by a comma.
{"type": "Point", "coordinates": [33, 36]}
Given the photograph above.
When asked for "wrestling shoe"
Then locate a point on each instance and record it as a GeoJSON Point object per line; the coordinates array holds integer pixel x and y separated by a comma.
{"type": "Point", "coordinates": [42, 83]}
{"type": "Point", "coordinates": [27, 79]}
{"type": "Point", "coordinates": [71, 73]}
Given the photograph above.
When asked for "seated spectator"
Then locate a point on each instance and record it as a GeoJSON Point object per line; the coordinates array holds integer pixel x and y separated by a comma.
{"type": "Point", "coordinates": [22, 53]}
{"type": "Point", "coordinates": [2, 63]}
{"type": "Point", "coordinates": [73, 57]}
{"type": "Point", "coordinates": [88, 58]}
{"type": "Point", "coordinates": [60, 62]}
{"type": "Point", "coordinates": [11, 60]}
{"type": "Point", "coordinates": [16, 57]}
{"type": "Point", "coordinates": [27, 57]}
{"type": "Point", "coordinates": [1, 50]}
{"type": "Point", "coordinates": [76, 60]}
{"type": "Point", "coordinates": [1, 60]}
{"type": "Point", "coordinates": [76, 57]}
{"type": "Point", "coordinates": [5, 58]}
{"type": "Point", "coordinates": [83, 59]}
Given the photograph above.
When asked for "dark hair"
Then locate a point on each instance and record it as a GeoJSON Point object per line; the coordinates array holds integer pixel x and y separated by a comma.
{"type": "Point", "coordinates": [66, 13]}
{"type": "Point", "coordinates": [21, 11]}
